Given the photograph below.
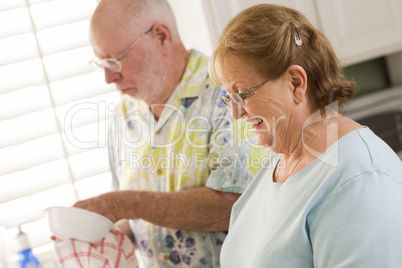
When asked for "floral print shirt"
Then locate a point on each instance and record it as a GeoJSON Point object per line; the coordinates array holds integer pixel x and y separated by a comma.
{"type": "Point", "coordinates": [194, 143]}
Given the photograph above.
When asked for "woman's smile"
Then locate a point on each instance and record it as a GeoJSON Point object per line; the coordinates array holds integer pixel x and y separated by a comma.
{"type": "Point", "coordinates": [255, 122]}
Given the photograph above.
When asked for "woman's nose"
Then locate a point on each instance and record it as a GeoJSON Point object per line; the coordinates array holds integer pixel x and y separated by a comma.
{"type": "Point", "coordinates": [237, 111]}
{"type": "Point", "coordinates": [111, 77]}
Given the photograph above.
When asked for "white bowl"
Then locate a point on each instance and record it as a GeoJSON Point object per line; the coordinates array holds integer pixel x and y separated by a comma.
{"type": "Point", "coordinates": [76, 223]}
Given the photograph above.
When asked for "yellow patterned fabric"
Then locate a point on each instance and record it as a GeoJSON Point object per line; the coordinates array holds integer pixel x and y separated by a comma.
{"type": "Point", "coordinates": [194, 143]}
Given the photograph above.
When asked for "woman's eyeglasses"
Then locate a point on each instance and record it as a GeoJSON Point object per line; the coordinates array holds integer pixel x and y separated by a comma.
{"type": "Point", "coordinates": [238, 98]}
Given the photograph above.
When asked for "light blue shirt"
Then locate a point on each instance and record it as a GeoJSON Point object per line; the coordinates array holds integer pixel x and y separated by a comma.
{"type": "Point", "coordinates": [343, 210]}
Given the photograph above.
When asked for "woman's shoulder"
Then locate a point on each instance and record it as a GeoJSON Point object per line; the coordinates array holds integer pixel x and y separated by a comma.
{"type": "Point", "coordinates": [362, 151]}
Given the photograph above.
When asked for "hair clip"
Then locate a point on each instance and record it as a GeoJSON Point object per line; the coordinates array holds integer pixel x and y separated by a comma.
{"type": "Point", "coordinates": [297, 35]}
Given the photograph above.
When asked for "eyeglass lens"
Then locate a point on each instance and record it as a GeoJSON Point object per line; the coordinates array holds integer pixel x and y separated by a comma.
{"type": "Point", "coordinates": [233, 98]}
{"type": "Point", "coordinates": [111, 64]}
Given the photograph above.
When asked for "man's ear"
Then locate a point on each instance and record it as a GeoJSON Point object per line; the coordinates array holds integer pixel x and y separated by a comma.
{"type": "Point", "coordinates": [298, 78]}
{"type": "Point", "coordinates": [163, 35]}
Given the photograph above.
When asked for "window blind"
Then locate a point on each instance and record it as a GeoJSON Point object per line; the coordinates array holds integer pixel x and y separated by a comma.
{"type": "Point", "coordinates": [53, 112]}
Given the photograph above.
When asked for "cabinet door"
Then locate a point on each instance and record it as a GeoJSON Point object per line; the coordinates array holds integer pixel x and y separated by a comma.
{"type": "Point", "coordinates": [362, 29]}
{"type": "Point", "coordinates": [220, 12]}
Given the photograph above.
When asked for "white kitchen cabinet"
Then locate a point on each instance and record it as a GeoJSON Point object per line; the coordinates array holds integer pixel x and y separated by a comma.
{"type": "Point", "coordinates": [359, 30]}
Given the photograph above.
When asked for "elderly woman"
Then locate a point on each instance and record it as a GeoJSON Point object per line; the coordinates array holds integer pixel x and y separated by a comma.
{"type": "Point", "coordinates": [332, 194]}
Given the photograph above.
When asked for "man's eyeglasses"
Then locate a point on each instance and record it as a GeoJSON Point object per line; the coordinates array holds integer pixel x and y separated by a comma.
{"type": "Point", "coordinates": [238, 98]}
{"type": "Point", "coordinates": [114, 64]}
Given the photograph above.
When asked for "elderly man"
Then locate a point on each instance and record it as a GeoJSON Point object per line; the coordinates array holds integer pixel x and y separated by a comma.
{"type": "Point", "coordinates": [173, 146]}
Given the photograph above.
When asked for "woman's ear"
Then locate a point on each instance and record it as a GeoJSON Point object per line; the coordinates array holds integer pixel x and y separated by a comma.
{"type": "Point", "coordinates": [163, 35]}
{"type": "Point", "coordinates": [298, 78]}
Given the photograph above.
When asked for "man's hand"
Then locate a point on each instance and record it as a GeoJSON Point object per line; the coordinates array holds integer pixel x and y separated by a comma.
{"type": "Point", "coordinates": [124, 226]}
{"type": "Point", "coordinates": [105, 204]}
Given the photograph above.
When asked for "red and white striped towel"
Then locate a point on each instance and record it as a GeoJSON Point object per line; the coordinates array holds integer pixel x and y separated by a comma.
{"type": "Point", "coordinates": [114, 251]}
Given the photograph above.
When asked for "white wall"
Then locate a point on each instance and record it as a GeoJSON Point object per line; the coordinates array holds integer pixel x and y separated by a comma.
{"type": "Point", "coordinates": [192, 24]}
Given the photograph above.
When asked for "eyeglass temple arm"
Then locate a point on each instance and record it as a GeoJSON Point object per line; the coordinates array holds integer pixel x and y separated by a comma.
{"type": "Point", "coordinates": [136, 42]}
{"type": "Point", "coordinates": [244, 95]}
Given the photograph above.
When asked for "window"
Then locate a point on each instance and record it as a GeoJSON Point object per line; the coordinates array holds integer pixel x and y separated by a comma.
{"type": "Point", "coordinates": [53, 108]}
